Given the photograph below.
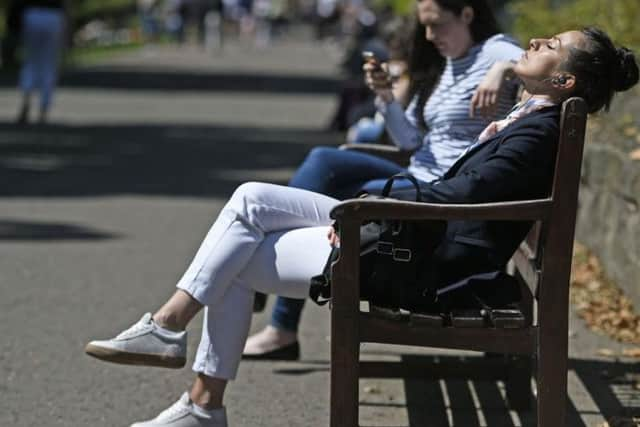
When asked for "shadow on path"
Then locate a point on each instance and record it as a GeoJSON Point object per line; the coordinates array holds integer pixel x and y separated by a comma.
{"type": "Point", "coordinates": [475, 403]}
{"type": "Point", "coordinates": [443, 402]}
{"type": "Point", "coordinates": [167, 160]}
{"type": "Point", "coordinates": [19, 230]}
{"type": "Point", "coordinates": [130, 78]}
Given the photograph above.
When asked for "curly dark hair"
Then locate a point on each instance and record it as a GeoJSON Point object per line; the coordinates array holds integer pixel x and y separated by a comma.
{"type": "Point", "coordinates": [601, 69]}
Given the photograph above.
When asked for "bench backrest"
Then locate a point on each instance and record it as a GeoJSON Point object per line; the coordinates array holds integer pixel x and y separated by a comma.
{"type": "Point", "coordinates": [543, 260]}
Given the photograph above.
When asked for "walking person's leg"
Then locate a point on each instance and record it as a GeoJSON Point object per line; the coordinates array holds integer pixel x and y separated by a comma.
{"type": "Point", "coordinates": [28, 70]}
{"type": "Point", "coordinates": [336, 173]}
{"type": "Point", "coordinates": [254, 244]}
{"type": "Point", "coordinates": [49, 58]}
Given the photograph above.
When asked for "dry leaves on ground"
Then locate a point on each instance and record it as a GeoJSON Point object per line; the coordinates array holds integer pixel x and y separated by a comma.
{"type": "Point", "coordinates": [601, 304]}
{"type": "Point", "coordinates": [631, 352]}
{"type": "Point", "coordinates": [621, 422]}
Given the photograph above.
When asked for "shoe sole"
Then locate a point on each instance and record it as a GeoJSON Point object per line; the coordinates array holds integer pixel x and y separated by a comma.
{"type": "Point", "coordinates": [126, 358]}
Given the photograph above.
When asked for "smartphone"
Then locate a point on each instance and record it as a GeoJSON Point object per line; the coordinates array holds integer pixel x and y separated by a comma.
{"type": "Point", "coordinates": [370, 57]}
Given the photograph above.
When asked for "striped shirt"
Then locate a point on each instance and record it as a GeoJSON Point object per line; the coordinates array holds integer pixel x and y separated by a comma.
{"type": "Point", "coordinates": [450, 128]}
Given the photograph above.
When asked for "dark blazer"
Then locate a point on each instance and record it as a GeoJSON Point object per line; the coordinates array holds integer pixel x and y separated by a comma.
{"type": "Point", "coordinates": [515, 164]}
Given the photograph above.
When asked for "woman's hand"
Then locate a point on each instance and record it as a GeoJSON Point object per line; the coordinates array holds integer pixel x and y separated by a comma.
{"type": "Point", "coordinates": [485, 98]}
{"type": "Point", "coordinates": [376, 77]}
{"type": "Point", "coordinates": [334, 239]}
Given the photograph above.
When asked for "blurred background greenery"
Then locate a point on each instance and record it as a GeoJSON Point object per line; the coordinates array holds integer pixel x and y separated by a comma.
{"type": "Point", "coordinates": [523, 18]}
{"type": "Point", "coordinates": [534, 18]}
{"type": "Point", "coordinates": [619, 18]}
{"type": "Point", "coordinates": [83, 11]}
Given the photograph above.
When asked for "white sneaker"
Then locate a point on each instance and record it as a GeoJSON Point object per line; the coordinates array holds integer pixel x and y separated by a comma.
{"type": "Point", "coordinates": [145, 343]}
{"type": "Point", "coordinates": [184, 413]}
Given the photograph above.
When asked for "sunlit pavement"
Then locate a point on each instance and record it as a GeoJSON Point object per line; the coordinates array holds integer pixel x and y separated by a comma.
{"type": "Point", "coordinates": [101, 210]}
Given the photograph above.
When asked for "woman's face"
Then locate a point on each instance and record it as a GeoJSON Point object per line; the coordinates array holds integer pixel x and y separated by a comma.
{"type": "Point", "coordinates": [541, 62]}
{"type": "Point", "coordinates": [449, 32]}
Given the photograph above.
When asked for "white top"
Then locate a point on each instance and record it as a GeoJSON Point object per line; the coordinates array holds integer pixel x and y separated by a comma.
{"type": "Point", "coordinates": [450, 129]}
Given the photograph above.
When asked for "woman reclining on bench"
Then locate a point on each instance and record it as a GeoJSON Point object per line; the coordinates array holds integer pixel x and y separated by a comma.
{"type": "Point", "coordinates": [454, 47]}
{"type": "Point", "coordinates": [272, 239]}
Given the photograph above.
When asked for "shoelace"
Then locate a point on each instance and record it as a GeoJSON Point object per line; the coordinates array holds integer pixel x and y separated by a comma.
{"type": "Point", "coordinates": [140, 326]}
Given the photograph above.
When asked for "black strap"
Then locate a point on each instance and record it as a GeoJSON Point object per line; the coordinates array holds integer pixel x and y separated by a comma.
{"type": "Point", "coordinates": [320, 287]}
{"type": "Point", "coordinates": [402, 175]}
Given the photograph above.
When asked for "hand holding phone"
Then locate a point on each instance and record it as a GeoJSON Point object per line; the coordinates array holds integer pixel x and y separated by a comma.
{"type": "Point", "coordinates": [370, 58]}
{"type": "Point", "coordinates": [376, 76]}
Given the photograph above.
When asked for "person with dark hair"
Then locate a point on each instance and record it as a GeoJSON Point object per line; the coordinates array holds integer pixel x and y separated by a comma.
{"type": "Point", "coordinates": [271, 238]}
{"type": "Point", "coordinates": [368, 126]}
{"type": "Point", "coordinates": [455, 44]}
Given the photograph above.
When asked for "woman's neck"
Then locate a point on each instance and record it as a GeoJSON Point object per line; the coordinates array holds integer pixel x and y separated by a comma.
{"type": "Point", "coordinates": [542, 98]}
{"type": "Point", "coordinates": [466, 46]}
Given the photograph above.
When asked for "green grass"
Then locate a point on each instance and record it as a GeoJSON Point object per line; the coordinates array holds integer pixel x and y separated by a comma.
{"type": "Point", "coordinates": [90, 55]}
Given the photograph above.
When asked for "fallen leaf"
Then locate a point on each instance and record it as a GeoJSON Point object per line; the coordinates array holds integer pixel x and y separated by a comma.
{"type": "Point", "coordinates": [606, 352]}
{"type": "Point", "coordinates": [372, 390]}
{"type": "Point", "coordinates": [630, 131]}
{"type": "Point", "coordinates": [631, 352]}
{"type": "Point", "coordinates": [622, 422]}
{"type": "Point", "coordinates": [635, 154]}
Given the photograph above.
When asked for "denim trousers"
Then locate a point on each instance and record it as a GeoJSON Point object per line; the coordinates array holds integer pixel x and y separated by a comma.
{"type": "Point", "coordinates": [42, 36]}
{"type": "Point", "coordinates": [339, 174]}
{"type": "Point", "coordinates": [267, 238]}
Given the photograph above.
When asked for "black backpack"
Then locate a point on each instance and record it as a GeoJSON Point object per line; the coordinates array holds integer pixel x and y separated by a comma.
{"type": "Point", "coordinates": [395, 260]}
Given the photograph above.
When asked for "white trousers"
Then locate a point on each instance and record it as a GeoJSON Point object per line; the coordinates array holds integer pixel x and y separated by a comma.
{"type": "Point", "coordinates": [42, 36]}
{"type": "Point", "coordinates": [267, 238]}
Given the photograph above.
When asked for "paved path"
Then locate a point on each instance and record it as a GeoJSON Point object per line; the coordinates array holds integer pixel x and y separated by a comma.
{"type": "Point", "coordinates": [100, 213]}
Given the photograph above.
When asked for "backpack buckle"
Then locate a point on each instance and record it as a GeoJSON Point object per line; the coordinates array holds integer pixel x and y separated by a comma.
{"type": "Point", "coordinates": [402, 255]}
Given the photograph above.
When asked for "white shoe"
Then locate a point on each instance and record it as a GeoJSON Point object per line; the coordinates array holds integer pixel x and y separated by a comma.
{"type": "Point", "coordinates": [145, 343]}
{"type": "Point", "coordinates": [184, 413]}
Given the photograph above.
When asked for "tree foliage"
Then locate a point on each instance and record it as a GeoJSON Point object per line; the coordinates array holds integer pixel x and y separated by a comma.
{"type": "Point", "coordinates": [81, 11]}
{"type": "Point", "coordinates": [619, 18]}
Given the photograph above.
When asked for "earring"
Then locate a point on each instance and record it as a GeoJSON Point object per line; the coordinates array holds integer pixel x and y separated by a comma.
{"type": "Point", "coordinates": [560, 80]}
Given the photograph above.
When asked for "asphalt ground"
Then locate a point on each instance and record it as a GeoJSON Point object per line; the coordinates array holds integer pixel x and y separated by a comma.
{"type": "Point", "coordinates": [101, 211]}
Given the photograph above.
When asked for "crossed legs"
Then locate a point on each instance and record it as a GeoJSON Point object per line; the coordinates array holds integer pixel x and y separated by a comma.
{"type": "Point", "coordinates": [337, 173]}
{"type": "Point", "coordinates": [268, 238]}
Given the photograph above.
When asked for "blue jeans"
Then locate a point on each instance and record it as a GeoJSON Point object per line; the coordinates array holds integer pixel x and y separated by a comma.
{"type": "Point", "coordinates": [339, 174]}
{"type": "Point", "coordinates": [43, 37]}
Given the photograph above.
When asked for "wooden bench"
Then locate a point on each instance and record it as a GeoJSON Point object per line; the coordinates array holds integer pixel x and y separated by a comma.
{"type": "Point", "coordinates": [542, 265]}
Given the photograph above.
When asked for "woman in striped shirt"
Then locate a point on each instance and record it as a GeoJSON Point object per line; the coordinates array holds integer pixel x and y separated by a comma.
{"type": "Point", "coordinates": [458, 42]}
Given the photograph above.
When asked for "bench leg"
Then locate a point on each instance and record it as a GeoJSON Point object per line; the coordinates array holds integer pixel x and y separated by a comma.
{"type": "Point", "coordinates": [518, 383]}
{"type": "Point", "coordinates": [552, 385]}
{"type": "Point", "coordinates": [345, 360]}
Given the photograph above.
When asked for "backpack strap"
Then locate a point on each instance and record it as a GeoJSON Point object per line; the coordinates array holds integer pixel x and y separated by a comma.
{"type": "Point", "coordinates": [402, 175]}
{"type": "Point", "coordinates": [320, 287]}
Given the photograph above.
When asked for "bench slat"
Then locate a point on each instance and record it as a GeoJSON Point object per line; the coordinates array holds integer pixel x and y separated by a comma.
{"type": "Point", "coordinates": [510, 341]}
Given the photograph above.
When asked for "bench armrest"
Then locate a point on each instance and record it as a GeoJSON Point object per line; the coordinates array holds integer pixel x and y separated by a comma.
{"type": "Point", "coordinates": [351, 213]}
{"type": "Point", "coordinates": [388, 152]}
{"type": "Point", "coordinates": [367, 209]}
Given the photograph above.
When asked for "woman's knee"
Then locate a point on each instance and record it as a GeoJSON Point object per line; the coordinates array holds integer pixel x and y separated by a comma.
{"type": "Point", "coordinates": [252, 195]}
{"type": "Point", "coordinates": [248, 191]}
{"type": "Point", "coordinates": [317, 169]}
{"type": "Point", "coordinates": [322, 155]}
